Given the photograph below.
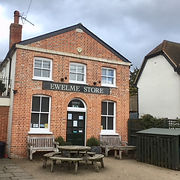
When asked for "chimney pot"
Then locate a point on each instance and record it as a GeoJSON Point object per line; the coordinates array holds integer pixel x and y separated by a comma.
{"type": "Point", "coordinates": [16, 17]}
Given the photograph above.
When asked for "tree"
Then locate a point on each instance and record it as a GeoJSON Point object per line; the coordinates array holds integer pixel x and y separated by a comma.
{"type": "Point", "coordinates": [132, 88]}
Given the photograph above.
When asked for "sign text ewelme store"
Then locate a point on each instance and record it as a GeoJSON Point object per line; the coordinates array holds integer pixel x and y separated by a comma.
{"type": "Point", "coordinates": [74, 88]}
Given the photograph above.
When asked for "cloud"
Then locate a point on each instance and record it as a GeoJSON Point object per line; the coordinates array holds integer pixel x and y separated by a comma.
{"type": "Point", "coordinates": [132, 27]}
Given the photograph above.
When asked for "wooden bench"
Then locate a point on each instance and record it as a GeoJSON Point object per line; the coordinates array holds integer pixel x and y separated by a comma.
{"type": "Point", "coordinates": [96, 158]}
{"type": "Point", "coordinates": [68, 159]}
{"type": "Point", "coordinates": [108, 142]}
{"type": "Point", "coordinates": [40, 144]}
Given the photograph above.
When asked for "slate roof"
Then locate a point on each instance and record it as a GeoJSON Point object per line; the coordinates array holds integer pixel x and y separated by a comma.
{"type": "Point", "coordinates": [170, 50]}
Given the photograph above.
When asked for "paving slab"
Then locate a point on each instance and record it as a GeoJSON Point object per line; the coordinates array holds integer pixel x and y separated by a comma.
{"type": "Point", "coordinates": [10, 171]}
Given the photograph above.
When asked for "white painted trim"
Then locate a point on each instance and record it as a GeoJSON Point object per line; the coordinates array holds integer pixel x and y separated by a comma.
{"type": "Point", "coordinates": [75, 81]}
{"type": "Point", "coordinates": [4, 101]}
{"type": "Point", "coordinates": [40, 77]}
{"type": "Point", "coordinates": [39, 132]}
{"type": "Point", "coordinates": [25, 47]}
{"type": "Point", "coordinates": [10, 119]}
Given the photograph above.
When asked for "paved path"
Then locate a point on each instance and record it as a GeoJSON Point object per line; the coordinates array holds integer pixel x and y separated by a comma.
{"type": "Point", "coordinates": [10, 171]}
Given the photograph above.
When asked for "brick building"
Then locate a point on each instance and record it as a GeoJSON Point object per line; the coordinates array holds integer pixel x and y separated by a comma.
{"type": "Point", "coordinates": [67, 83]}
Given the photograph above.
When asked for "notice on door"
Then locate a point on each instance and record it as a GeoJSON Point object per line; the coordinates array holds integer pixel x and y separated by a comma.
{"type": "Point", "coordinates": [74, 123]}
{"type": "Point", "coordinates": [69, 116]}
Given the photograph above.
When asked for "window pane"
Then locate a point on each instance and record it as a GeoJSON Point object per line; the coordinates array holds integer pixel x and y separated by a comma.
{"type": "Point", "coordinates": [103, 80]}
{"type": "Point", "coordinates": [110, 123]}
{"type": "Point", "coordinates": [104, 108]}
{"type": "Point", "coordinates": [80, 69]}
{"type": "Point", "coordinates": [37, 72]}
{"type": "Point", "coordinates": [34, 120]}
{"type": "Point", "coordinates": [72, 76]}
{"type": "Point", "coordinates": [110, 80]}
{"type": "Point", "coordinates": [44, 121]}
{"type": "Point", "coordinates": [76, 103]}
{"type": "Point", "coordinates": [46, 64]}
{"type": "Point", "coordinates": [45, 104]}
{"type": "Point", "coordinates": [103, 72]}
{"type": "Point", "coordinates": [111, 72]}
{"type": "Point", "coordinates": [36, 103]}
{"type": "Point", "coordinates": [38, 63]}
{"type": "Point", "coordinates": [103, 122]}
{"type": "Point", "coordinates": [110, 108]}
{"type": "Point", "coordinates": [72, 68]}
{"type": "Point", "coordinates": [80, 77]}
{"type": "Point", "coordinates": [45, 73]}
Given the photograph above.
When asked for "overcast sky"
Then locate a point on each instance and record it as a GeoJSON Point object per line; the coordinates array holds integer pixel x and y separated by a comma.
{"type": "Point", "coordinates": [132, 27]}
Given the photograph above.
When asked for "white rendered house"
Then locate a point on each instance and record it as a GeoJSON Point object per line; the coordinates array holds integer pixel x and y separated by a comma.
{"type": "Point", "coordinates": [158, 82]}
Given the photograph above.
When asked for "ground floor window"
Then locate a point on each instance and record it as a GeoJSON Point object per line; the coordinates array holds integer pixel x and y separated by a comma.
{"type": "Point", "coordinates": [40, 114]}
{"type": "Point", "coordinates": [108, 116]}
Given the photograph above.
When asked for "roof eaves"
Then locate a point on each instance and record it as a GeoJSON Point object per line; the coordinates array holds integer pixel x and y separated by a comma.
{"type": "Point", "coordinates": [9, 54]}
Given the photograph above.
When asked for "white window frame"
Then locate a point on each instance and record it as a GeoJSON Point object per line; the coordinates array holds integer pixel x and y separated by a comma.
{"type": "Point", "coordinates": [41, 130]}
{"type": "Point", "coordinates": [42, 78]}
{"type": "Point", "coordinates": [107, 131]}
{"type": "Point", "coordinates": [107, 84]}
{"type": "Point", "coordinates": [75, 81]}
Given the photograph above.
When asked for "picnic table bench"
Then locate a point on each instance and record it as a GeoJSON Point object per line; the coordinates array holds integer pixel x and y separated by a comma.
{"type": "Point", "coordinates": [68, 159]}
{"type": "Point", "coordinates": [96, 158]}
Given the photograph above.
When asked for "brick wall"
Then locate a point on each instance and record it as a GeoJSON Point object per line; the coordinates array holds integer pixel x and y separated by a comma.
{"type": "Point", "coordinates": [4, 112]}
{"type": "Point", "coordinates": [26, 88]}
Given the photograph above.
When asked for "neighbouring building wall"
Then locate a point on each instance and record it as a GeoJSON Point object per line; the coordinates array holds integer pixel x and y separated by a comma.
{"type": "Point", "coordinates": [4, 112]}
{"type": "Point", "coordinates": [159, 89]}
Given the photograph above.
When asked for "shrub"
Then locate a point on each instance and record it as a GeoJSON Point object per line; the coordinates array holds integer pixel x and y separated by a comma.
{"type": "Point", "coordinates": [92, 141]}
{"type": "Point", "coordinates": [148, 121]}
{"type": "Point", "coordinates": [60, 140]}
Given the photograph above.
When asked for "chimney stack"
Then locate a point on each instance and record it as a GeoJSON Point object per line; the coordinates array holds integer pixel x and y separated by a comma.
{"type": "Point", "coordinates": [15, 30]}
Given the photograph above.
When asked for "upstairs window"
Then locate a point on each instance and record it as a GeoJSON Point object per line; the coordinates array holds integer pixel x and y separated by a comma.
{"type": "Point", "coordinates": [108, 77]}
{"type": "Point", "coordinates": [77, 73]}
{"type": "Point", "coordinates": [42, 69]}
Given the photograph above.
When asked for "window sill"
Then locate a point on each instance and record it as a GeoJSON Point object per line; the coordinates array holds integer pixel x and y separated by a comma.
{"type": "Point", "coordinates": [38, 79]}
{"type": "Point", "coordinates": [108, 133]}
{"type": "Point", "coordinates": [74, 82]}
{"type": "Point", "coordinates": [30, 132]}
{"type": "Point", "coordinates": [103, 85]}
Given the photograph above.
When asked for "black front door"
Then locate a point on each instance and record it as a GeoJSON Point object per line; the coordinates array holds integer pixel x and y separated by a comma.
{"type": "Point", "coordinates": [75, 128]}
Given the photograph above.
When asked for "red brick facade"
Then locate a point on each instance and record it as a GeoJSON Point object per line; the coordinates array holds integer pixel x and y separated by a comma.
{"type": "Point", "coordinates": [4, 112]}
{"type": "Point", "coordinates": [62, 50]}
